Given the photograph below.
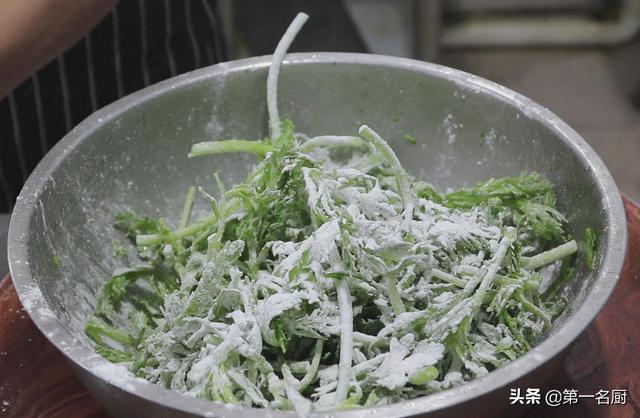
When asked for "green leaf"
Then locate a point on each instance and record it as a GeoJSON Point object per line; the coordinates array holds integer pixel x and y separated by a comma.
{"type": "Point", "coordinates": [97, 330]}
{"type": "Point", "coordinates": [506, 190]}
{"type": "Point", "coordinates": [591, 248]}
{"type": "Point", "coordinates": [546, 222]}
{"type": "Point", "coordinates": [410, 139]}
{"type": "Point", "coordinates": [426, 191]}
{"type": "Point", "coordinates": [57, 261]}
{"type": "Point", "coordinates": [132, 224]}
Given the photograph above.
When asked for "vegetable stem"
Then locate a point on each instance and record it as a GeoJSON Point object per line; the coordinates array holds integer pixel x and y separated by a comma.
{"type": "Point", "coordinates": [535, 310]}
{"type": "Point", "coordinates": [228, 146]}
{"type": "Point", "coordinates": [550, 256]}
{"type": "Point", "coordinates": [394, 295]}
{"type": "Point", "coordinates": [192, 229]}
{"type": "Point", "coordinates": [488, 279]}
{"type": "Point", "coordinates": [401, 176]}
{"type": "Point", "coordinates": [449, 278]}
{"type": "Point", "coordinates": [331, 141]}
{"type": "Point", "coordinates": [313, 368]}
{"type": "Point", "coordinates": [274, 72]}
{"type": "Point", "coordinates": [530, 284]}
{"type": "Point", "coordinates": [346, 340]}
{"type": "Point", "coordinates": [188, 206]}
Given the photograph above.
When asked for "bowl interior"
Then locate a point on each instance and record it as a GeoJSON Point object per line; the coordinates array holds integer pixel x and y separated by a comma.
{"type": "Point", "coordinates": [132, 155]}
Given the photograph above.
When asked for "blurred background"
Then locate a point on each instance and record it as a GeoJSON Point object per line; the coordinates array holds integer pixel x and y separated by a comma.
{"type": "Point", "coordinates": [579, 58]}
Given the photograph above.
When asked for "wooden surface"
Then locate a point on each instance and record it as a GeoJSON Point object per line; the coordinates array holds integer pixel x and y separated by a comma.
{"type": "Point", "coordinates": [35, 380]}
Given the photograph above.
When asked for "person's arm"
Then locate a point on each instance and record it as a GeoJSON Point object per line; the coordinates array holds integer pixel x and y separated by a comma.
{"type": "Point", "coordinates": [33, 32]}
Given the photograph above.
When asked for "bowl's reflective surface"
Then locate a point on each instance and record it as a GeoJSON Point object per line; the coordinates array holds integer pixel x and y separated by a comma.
{"type": "Point", "coordinates": [132, 155]}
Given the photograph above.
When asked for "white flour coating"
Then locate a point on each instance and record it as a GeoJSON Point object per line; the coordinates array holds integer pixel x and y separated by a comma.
{"type": "Point", "coordinates": [116, 374]}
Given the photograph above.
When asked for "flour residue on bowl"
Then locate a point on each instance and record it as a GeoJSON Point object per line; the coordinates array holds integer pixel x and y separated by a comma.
{"type": "Point", "coordinates": [450, 128]}
{"type": "Point", "coordinates": [116, 374]}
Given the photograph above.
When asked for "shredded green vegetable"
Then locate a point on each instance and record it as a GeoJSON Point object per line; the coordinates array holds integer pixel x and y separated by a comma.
{"type": "Point", "coordinates": [324, 283]}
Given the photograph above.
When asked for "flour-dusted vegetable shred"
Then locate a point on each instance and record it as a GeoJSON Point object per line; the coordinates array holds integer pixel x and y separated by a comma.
{"type": "Point", "coordinates": [330, 279]}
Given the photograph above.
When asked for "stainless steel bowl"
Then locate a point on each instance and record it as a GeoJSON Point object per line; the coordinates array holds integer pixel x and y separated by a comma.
{"type": "Point", "coordinates": [132, 154]}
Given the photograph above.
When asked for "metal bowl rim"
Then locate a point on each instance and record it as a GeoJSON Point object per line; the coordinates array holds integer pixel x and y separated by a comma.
{"type": "Point", "coordinates": [85, 358]}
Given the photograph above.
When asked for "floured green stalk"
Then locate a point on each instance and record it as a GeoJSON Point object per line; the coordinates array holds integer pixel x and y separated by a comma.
{"type": "Point", "coordinates": [321, 283]}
